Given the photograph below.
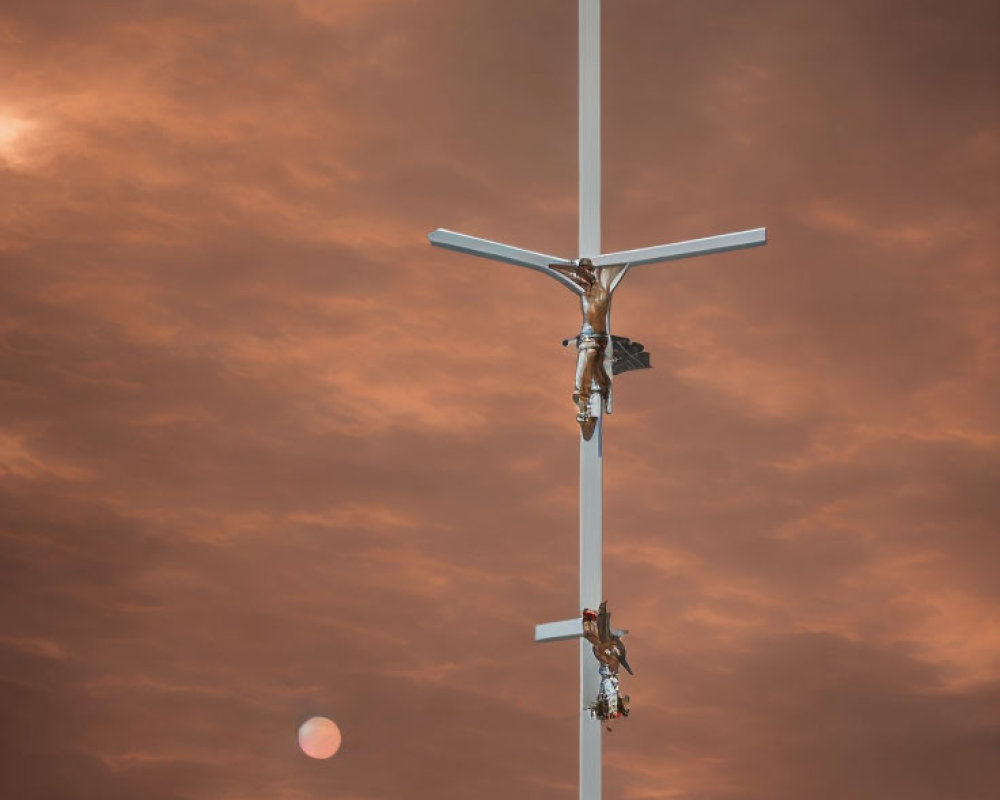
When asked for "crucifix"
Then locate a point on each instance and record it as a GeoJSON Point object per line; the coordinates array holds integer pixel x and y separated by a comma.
{"type": "Point", "coordinates": [592, 276]}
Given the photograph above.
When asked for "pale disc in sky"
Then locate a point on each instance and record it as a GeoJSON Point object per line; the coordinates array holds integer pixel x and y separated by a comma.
{"type": "Point", "coordinates": [319, 737]}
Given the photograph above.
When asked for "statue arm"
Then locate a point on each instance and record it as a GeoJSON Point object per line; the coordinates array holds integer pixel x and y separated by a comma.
{"type": "Point", "coordinates": [604, 622]}
{"type": "Point", "coordinates": [568, 271]}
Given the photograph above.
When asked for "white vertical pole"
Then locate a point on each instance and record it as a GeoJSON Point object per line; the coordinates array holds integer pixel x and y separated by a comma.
{"type": "Point", "coordinates": [590, 128]}
{"type": "Point", "coordinates": [591, 453]}
{"type": "Point", "coordinates": [591, 502]}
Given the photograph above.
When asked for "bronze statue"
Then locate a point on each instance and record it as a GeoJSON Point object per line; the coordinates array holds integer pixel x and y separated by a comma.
{"type": "Point", "coordinates": [596, 285]}
{"type": "Point", "coordinates": [610, 652]}
{"type": "Point", "coordinates": [608, 646]}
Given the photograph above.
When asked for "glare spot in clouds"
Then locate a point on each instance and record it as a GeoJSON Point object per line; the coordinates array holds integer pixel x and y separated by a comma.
{"type": "Point", "coordinates": [12, 132]}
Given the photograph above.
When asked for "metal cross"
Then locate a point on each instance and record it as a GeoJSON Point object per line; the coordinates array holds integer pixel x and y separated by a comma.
{"type": "Point", "coordinates": [591, 449]}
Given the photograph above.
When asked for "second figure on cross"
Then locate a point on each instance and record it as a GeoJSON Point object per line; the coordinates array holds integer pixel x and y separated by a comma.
{"type": "Point", "coordinates": [610, 653]}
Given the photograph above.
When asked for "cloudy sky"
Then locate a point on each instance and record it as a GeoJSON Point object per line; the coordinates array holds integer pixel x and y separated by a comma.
{"type": "Point", "coordinates": [265, 454]}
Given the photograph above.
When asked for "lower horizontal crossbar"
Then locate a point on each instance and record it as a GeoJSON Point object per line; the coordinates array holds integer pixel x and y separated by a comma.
{"type": "Point", "coordinates": [557, 631]}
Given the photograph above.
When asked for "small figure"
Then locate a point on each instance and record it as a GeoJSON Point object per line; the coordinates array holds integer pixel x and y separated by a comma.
{"type": "Point", "coordinates": [592, 342]}
{"type": "Point", "coordinates": [610, 652]}
{"type": "Point", "coordinates": [608, 646]}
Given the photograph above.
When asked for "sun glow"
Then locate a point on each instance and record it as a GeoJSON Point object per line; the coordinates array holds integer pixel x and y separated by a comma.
{"type": "Point", "coordinates": [12, 130]}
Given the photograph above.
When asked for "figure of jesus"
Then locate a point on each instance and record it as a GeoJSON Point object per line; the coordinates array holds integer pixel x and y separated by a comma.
{"type": "Point", "coordinates": [593, 340]}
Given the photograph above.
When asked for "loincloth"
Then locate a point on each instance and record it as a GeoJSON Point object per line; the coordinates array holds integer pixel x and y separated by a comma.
{"type": "Point", "coordinates": [592, 341]}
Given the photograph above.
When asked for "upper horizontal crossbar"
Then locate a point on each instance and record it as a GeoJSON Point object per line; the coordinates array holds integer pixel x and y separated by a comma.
{"type": "Point", "coordinates": [497, 251]}
{"type": "Point", "coordinates": [687, 249]}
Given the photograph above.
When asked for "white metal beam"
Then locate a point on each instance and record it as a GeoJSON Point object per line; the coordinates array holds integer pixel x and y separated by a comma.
{"type": "Point", "coordinates": [591, 568]}
{"type": "Point", "coordinates": [688, 249]}
{"type": "Point", "coordinates": [590, 127]}
{"type": "Point", "coordinates": [497, 251]}
{"type": "Point", "coordinates": [558, 631]}
{"type": "Point", "coordinates": [591, 452]}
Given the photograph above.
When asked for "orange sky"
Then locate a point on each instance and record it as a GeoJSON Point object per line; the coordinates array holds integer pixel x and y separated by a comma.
{"type": "Point", "coordinates": [265, 454]}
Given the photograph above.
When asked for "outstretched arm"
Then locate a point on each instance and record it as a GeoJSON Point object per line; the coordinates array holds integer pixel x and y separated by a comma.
{"type": "Point", "coordinates": [569, 271]}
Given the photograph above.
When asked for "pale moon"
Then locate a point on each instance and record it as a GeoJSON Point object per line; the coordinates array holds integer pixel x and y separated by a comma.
{"type": "Point", "coordinates": [319, 737]}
